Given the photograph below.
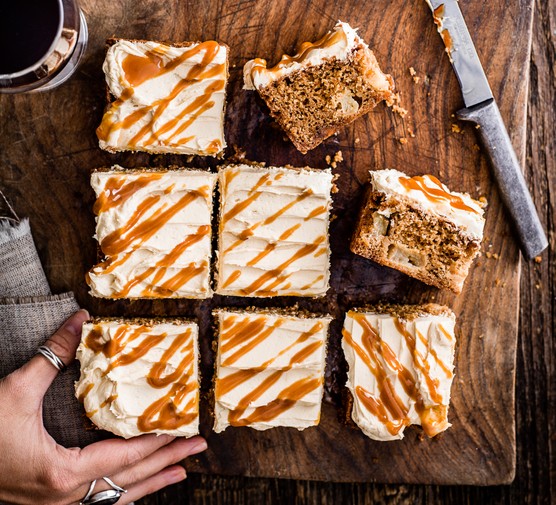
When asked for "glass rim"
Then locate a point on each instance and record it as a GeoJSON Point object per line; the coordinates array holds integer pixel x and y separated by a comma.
{"type": "Point", "coordinates": [55, 40]}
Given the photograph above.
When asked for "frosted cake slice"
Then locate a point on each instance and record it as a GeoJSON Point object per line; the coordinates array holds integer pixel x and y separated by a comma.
{"type": "Point", "coordinates": [420, 227]}
{"type": "Point", "coordinates": [140, 376]}
{"type": "Point", "coordinates": [273, 232]}
{"type": "Point", "coordinates": [165, 98]}
{"type": "Point", "coordinates": [325, 86]}
{"type": "Point", "coordinates": [269, 369]}
{"type": "Point", "coordinates": [154, 231]}
{"type": "Point", "coordinates": [400, 360]}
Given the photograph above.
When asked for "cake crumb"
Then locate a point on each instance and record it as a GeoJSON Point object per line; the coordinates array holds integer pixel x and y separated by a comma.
{"type": "Point", "coordinates": [538, 286]}
{"type": "Point", "coordinates": [477, 126]}
{"type": "Point", "coordinates": [414, 75]}
{"type": "Point", "coordinates": [476, 147]}
{"type": "Point", "coordinates": [357, 140]}
{"type": "Point", "coordinates": [410, 132]}
{"type": "Point", "coordinates": [328, 159]}
{"type": "Point", "coordinates": [456, 128]}
{"type": "Point", "coordinates": [483, 201]}
{"type": "Point", "coordinates": [403, 140]}
{"type": "Point", "coordinates": [394, 104]}
{"type": "Point", "coordinates": [538, 259]}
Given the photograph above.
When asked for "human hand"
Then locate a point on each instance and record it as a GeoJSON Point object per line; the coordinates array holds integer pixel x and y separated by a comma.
{"type": "Point", "coordinates": [34, 469]}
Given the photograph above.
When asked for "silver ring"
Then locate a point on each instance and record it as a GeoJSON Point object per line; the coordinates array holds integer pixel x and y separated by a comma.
{"type": "Point", "coordinates": [50, 356]}
{"type": "Point", "coordinates": [103, 497]}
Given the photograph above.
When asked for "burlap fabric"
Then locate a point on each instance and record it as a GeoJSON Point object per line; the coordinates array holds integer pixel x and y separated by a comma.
{"type": "Point", "coordinates": [29, 314]}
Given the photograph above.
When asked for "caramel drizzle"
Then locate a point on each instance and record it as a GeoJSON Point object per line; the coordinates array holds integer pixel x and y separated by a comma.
{"type": "Point", "coordinates": [138, 69]}
{"type": "Point", "coordinates": [163, 414]}
{"type": "Point", "coordinates": [438, 194]}
{"type": "Point", "coordinates": [120, 245]}
{"type": "Point", "coordinates": [435, 356]}
{"type": "Point", "coordinates": [256, 332]}
{"type": "Point", "coordinates": [330, 39]}
{"type": "Point", "coordinates": [374, 349]}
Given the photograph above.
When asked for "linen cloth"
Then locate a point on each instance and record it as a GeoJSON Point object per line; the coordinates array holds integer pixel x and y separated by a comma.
{"type": "Point", "coordinates": [29, 314]}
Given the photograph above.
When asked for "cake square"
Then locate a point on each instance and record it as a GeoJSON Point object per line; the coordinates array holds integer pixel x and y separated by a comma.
{"type": "Point", "coordinates": [273, 233]}
{"type": "Point", "coordinates": [418, 226]}
{"type": "Point", "coordinates": [154, 230]}
{"type": "Point", "coordinates": [269, 369]}
{"type": "Point", "coordinates": [165, 98]}
{"type": "Point", "coordinates": [400, 361]}
{"type": "Point", "coordinates": [325, 86]}
{"type": "Point", "coordinates": [140, 376]}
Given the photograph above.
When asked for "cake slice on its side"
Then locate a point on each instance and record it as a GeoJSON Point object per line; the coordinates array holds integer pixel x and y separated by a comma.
{"type": "Point", "coordinates": [273, 231]}
{"type": "Point", "coordinates": [325, 86]}
{"type": "Point", "coordinates": [418, 226]}
{"type": "Point", "coordinates": [165, 98]}
{"type": "Point", "coordinates": [269, 369]}
{"type": "Point", "coordinates": [140, 376]}
{"type": "Point", "coordinates": [154, 230]}
{"type": "Point", "coordinates": [400, 360]}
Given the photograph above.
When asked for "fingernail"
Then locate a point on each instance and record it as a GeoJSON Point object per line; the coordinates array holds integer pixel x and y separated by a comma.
{"type": "Point", "coordinates": [176, 476]}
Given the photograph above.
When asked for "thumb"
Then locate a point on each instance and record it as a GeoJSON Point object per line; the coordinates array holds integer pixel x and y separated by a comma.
{"type": "Point", "coordinates": [38, 373]}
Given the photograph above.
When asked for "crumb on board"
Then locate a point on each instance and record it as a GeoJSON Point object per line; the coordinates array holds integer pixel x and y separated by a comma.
{"type": "Point", "coordinates": [414, 75]}
{"type": "Point", "coordinates": [410, 132]}
{"type": "Point", "coordinates": [333, 162]}
{"type": "Point", "coordinates": [477, 126]}
{"type": "Point", "coordinates": [394, 104]}
{"type": "Point", "coordinates": [457, 129]}
{"type": "Point", "coordinates": [327, 159]}
{"type": "Point", "coordinates": [357, 140]}
{"type": "Point", "coordinates": [538, 259]}
{"type": "Point", "coordinates": [402, 140]}
{"type": "Point", "coordinates": [483, 201]}
{"type": "Point", "coordinates": [476, 147]}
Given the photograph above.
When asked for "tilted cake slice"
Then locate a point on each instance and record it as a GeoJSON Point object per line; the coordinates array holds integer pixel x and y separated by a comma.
{"type": "Point", "coordinates": [165, 98]}
{"type": "Point", "coordinates": [418, 226]}
{"type": "Point", "coordinates": [273, 231]}
{"type": "Point", "coordinates": [140, 376]}
{"type": "Point", "coordinates": [154, 230]}
{"type": "Point", "coordinates": [269, 369]}
{"type": "Point", "coordinates": [400, 360]}
{"type": "Point", "coordinates": [325, 86]}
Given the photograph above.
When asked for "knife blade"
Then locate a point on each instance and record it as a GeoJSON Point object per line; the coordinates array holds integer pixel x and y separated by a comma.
{"type": "Point", "coordinates": [481, 109]}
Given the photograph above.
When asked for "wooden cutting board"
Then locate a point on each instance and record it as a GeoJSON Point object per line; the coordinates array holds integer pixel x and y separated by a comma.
{"type": "Point", "coordinates": [48, 148]}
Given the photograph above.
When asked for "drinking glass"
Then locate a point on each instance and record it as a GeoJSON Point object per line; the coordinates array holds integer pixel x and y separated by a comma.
{"type": "Point", "coordinates": [41, 43]}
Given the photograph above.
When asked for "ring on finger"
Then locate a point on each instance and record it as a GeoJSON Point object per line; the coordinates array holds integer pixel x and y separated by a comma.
{"type": "Point", "coordinates": [106, 497]}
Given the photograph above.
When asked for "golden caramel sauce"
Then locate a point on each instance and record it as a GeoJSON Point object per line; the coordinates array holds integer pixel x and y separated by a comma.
{"type": "Point", "coordinates": [316, 212]}
{"type": "Point", "coordinates": [156, 377]}
{"type": "Point", "coordinates": [139, 69]}
{"type": "Point", "coordinates": [120, 240]}
{"type": "Point", "coordinates": [85, 392]}
{"type": "Point", "coordinates": [277, 273]}
{"type": "Point", "coordinates": [376, 407]}
{"type": "Point", "coordinates": [434, 195]}
{"type": "Point", "coordinates": [164, 414]}
{"type": "Point", "coordinates": [258, 335]}
{"type": "Point", "coordinates": [306, 193]}
{"type": "Point", "coordinates": [444, 332]}
{"type": "Point", "coordinates": [376, 349]}
{"type": "Point", "coordinates": [108, 401]}
{"type": "Point", "coordinates": [304, 52]}
{"type": "Point", "coordinates": [286, 399]}
{"type": "Point", "coordinates": [434, 354]}
{"type": "Point", "coordinates": [116, 192]}
{"type": "Point", "coordinates": [234, 276]}
{"type": "Point", "coordinates": [184, 275]}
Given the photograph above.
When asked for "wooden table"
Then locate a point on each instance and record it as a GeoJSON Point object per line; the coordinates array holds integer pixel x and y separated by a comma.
{"type": "Point", "coordinates": [535, 375]}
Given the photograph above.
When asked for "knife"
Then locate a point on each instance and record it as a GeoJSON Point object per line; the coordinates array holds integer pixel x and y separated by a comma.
{"type": "Point", "coordinates": [481, 109]}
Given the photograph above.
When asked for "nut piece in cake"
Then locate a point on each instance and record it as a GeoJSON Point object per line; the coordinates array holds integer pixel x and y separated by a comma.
{"type": "Point", "coordinates": [269, 370]}
{"type": "Point", "coordinates": [400, 361]}
{"type": "Point", "coordinates": [140, 376]}
{"type": "Point", "coordinates": [165, 98]}
{"type": "Point", "coordinates": [273, 232]}
{"type": "Point", "coordinates": [154, 230]}
{"type": "Point", "coordinates": [418, 226]}
{"type": "Point", "coordinates": [325, 86]}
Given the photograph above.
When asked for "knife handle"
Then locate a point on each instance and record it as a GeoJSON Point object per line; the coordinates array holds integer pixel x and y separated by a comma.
{"type": "Point", "coordinates": [508, 175]}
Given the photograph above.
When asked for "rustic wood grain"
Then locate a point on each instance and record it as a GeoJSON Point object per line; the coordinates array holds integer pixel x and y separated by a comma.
{"type": "Point", "coordinates": [48, 148]}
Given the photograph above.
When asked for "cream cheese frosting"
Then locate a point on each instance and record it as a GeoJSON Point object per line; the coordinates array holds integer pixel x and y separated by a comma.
{"type": "Point", "coordinates": [428, 193]}
{"type": "Point", "coordinates": [269, 370]}
{"type": "Point", "coordinates": [273, 236]}
{"type": "Point", "coordinates": [140, 377]}
{"type": "Point", "coordinates": [154, 228]}
{"type": "Point", "coordinates": [400, 371]}
{"type": "Point", "coordinates": [168, 99]}
{"type": "Point", "coordinates": [338, 44]}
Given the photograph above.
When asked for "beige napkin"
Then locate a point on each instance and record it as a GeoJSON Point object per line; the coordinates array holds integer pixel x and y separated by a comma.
{"type": "Point", "coordinates": [29, 314]}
